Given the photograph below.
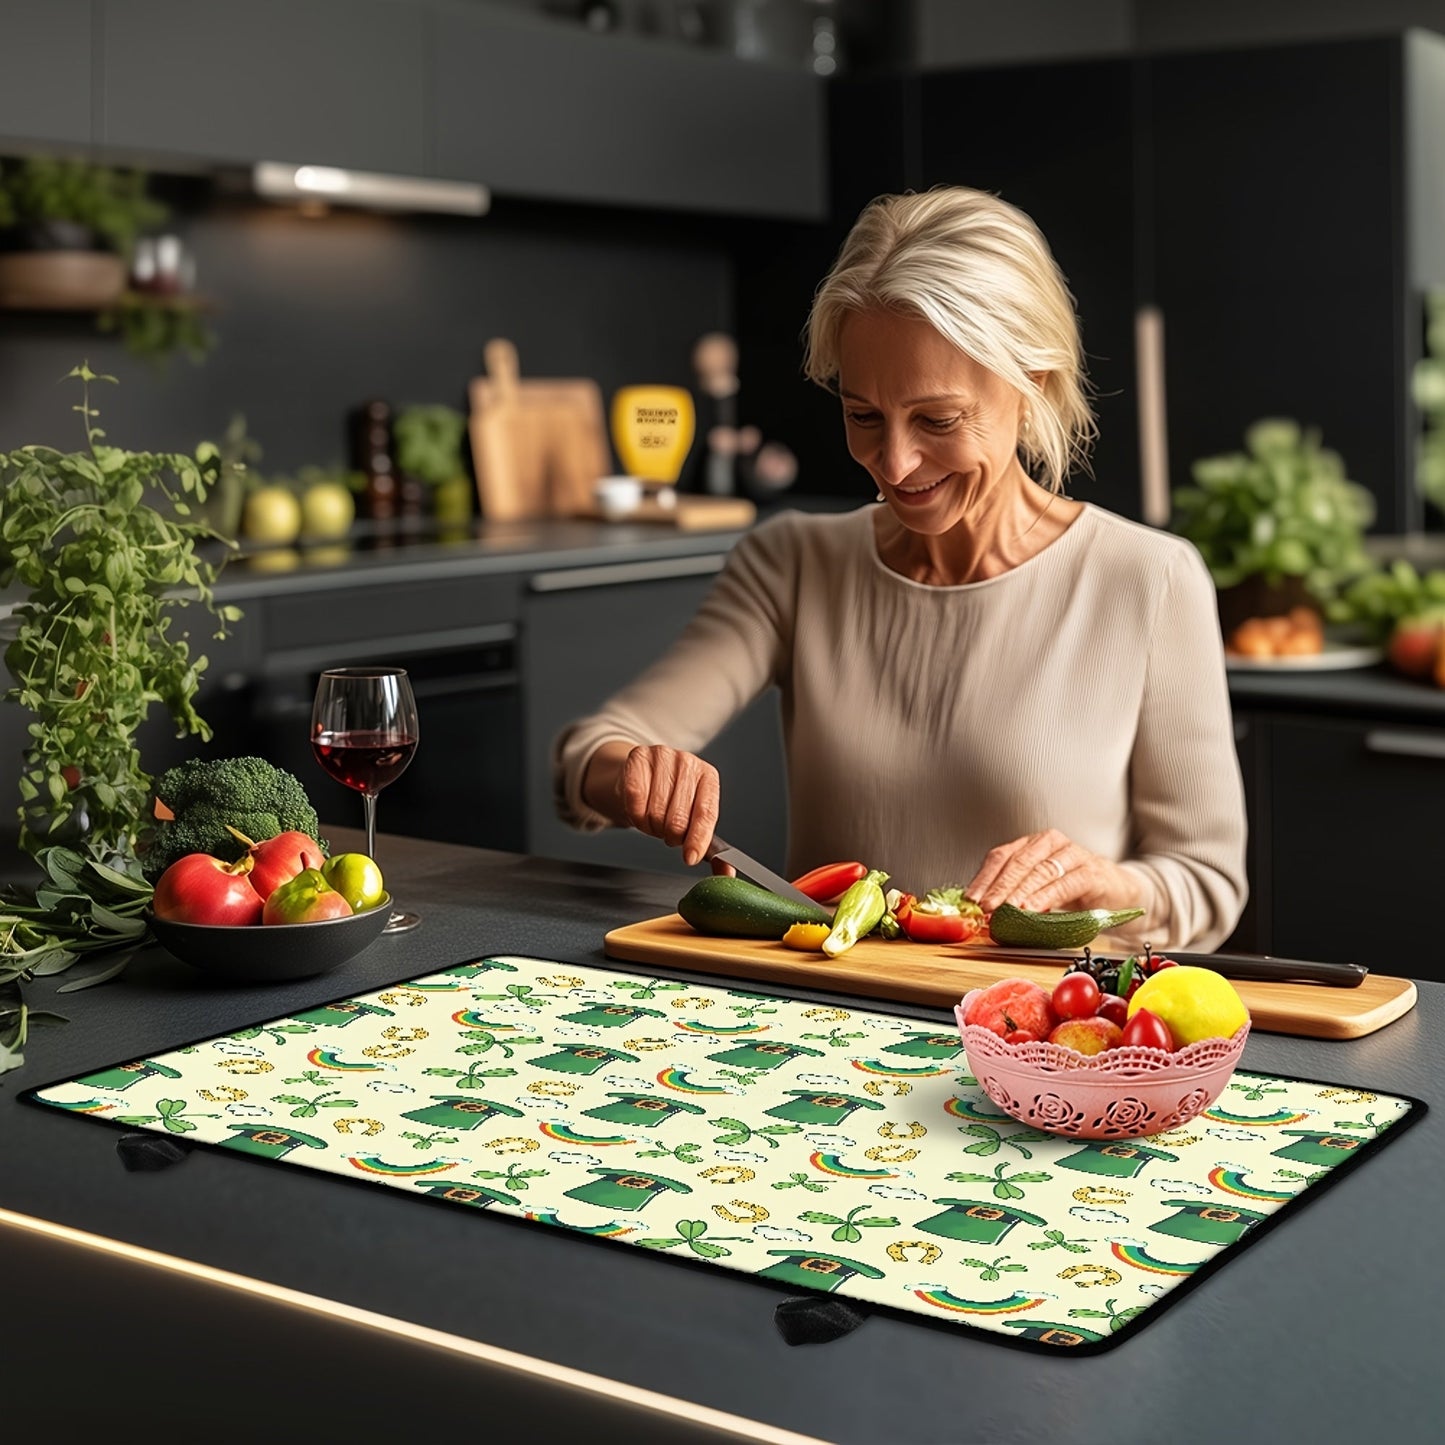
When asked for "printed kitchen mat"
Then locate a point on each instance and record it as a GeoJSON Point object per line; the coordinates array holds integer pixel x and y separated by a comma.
{"type": "Point", "coordinates": [820, 1148]}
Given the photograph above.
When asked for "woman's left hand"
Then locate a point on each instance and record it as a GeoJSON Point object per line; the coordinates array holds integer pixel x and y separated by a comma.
{"type": "Point", "coordinates": [1047, 871]}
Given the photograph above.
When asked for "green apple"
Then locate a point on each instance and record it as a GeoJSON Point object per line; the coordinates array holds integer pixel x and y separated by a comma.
{"type": "Point", "coordinates": [356, 878]}
{"type": "Point", "coordinates": [272, 514]}
{"type": "Point", "coordinates": [327, 510]}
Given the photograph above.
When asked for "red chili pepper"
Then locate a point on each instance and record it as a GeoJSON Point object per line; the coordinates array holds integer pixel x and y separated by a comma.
{"type": "Point", "coordinates": [925, 924]}
{"type": "Point", "coordinates": [830, 882]}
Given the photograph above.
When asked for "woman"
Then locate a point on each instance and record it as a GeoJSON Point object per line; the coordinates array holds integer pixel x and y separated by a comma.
{"type": "Point", "coordinates": [983, 681]}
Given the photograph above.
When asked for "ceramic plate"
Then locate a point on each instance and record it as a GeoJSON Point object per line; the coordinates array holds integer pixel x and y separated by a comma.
{"type": "Point", "coordinates": [1336, 656]}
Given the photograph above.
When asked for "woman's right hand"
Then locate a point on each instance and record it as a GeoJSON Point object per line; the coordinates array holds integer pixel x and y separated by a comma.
{"type": "Point", "coordinates": [671, 795]}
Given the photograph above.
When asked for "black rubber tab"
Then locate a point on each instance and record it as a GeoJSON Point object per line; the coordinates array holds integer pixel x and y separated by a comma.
{"type": "Point", "coordinates": [816, 1319]}
{"type": "Point", "coordinates": [146, 1153]}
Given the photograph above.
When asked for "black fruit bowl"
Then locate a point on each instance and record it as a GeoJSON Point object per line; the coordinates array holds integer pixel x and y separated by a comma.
{"type": "Point", "coordinates": [272, 952]}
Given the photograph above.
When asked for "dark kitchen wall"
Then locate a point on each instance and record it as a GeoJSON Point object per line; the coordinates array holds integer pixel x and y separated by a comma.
{"type": "Point", "coordinates": [316, 315]}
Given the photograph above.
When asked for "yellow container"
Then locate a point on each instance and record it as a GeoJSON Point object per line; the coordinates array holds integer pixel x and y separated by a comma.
{"type": "Point", "coordinates": [652, 430]}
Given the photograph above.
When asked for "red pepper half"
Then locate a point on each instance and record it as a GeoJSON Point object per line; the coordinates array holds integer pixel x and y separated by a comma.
{"type": "Point", "coordinates": [928, 923]}
{"type": "Point", "coordinates": [830, 882]}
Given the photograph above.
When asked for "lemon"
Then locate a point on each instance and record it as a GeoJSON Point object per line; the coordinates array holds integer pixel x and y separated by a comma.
{"type": "Point", "coordinates": [272, 515]}
{"type": "Point", "coordinates": [1196, 1003]}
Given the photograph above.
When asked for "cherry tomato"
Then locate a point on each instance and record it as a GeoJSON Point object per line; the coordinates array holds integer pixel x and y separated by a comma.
{"type": "Point", "coordinates": [1114, 1008]}
{"type": "Point", "coordinates": [1075, 996]}
{"type": "Point", "coordinates": [1164, 963]}
{"type": "Point", "coordinates": [1020, 1036]}
{"type": "Point", "coordinates": [1149, 1030]}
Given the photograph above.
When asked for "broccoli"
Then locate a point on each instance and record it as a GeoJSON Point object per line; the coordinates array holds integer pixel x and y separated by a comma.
{"type": "Point", "coordinates": [205, 794]}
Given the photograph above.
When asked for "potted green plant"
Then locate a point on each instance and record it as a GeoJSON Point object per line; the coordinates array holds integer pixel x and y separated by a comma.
{"type": "Point", "coordinates": [1278, 524]}
{"type": "Point", "coordinates": [103, 543]}
{"type": "Point", "coordinates": [428, 441]}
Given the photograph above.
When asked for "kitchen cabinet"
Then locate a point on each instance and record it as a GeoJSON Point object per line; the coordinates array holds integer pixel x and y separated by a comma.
{"type": "Point", "coordinates": [45, 71]}
{"type": "Point", "coordinates": [334, 81]}
{"type": "Point", "coordinates": [587, 633]}
{"type": "Point", "coordinates": [536, 109]}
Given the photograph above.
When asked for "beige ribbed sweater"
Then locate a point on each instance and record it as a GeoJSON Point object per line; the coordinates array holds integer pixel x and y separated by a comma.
{"type": "Point", "coordinates": [1084, 690]}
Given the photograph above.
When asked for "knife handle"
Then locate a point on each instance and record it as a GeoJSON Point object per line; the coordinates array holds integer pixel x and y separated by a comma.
{"type": "Point", "coordinates": [1265, 968]}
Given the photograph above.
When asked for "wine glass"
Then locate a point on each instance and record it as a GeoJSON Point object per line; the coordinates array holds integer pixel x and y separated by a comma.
{"type": "Point", "coordinates": [364, 733]}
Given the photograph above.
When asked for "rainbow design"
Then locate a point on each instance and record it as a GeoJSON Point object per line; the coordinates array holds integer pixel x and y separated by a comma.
{"type": "Point", "coordinates": [83, 1106]}
{"type": "Point", "coordinates": [729, 1031]}
{"type": "Point", "coordinates": [1140, 1258]}
{"type": "Point", "coordinates": [946, 1300]}
{"type": "Point", "coordinates": [677, 1079]}
{"type": "Point", "coordinates": [370, 1164]}
{"type": "Point", "coordinates": [604, 1231]}
{"type": "Point", "coordinates": [565, 1135]}
{"type": "Point", "coordinates": [877, 1066]}
{"type": "Point", "coordinates": [832, 1164]}
{"type": "Point", "coordinates": [469, 1018]}
{"type": "Point", "coordinates": [330, 1059]}
{"type": "Point", "coordinates": [1231, 1181]}
{"type": "Point", "coordinates": [1278, 1119]}
{"type": "Point", "coordinates": [961, 1109]}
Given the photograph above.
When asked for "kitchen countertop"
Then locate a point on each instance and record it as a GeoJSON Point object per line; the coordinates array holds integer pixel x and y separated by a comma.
{"type": "Point", "coordinates": [1284, 1344]}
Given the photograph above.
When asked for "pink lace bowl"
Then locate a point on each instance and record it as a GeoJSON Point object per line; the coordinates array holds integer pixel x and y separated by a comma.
{"type": "Point", "coordinates": [1124, 1093]}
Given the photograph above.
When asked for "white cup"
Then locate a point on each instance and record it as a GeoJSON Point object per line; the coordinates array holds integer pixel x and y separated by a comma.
{"type": "Point", "coordinates": [618, 497]}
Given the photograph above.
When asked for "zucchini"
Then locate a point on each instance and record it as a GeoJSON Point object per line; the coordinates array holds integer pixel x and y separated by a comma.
{"type": "Point", "coordinates": [735, 908]}
{"type": "Point", "coordinates": [1018, 928]}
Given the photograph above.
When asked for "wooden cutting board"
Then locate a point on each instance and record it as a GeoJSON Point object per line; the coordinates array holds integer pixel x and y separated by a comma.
{"type": "Point", "coordinates": [688, 513]}
{"type": "Point", "coordinates": [913, 973]}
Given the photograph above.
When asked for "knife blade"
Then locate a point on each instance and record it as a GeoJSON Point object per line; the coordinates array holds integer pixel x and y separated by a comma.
{"type": "Point", "coordinates": [1251, 967]}
{"type": "Point", "coordinates": [748, 867]}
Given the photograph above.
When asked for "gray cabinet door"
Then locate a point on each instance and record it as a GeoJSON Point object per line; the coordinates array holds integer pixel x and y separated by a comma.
{"type": "Point", "coordinates": [337, 81]}
{"type": "Point", "coordinates": [45, 70]}
{"type": "Point", "coordinates": [580, 645]}
{"type": "Point", "coordinates": [532, 108]}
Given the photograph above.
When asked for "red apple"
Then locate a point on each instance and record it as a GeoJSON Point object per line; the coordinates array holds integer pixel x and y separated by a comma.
{"type": "Point", "coordinates": [278, 860]}
{"type": "Point", "coordinates": [1012, 1005]}
{"type": "Point", "coordinates": [202, 889]}
{"type": "Point", "coordinates": [1149, 1030]}
{"type": "Point", "coordinates": [1414, 642]}
{"type": "Point", "coordinates": [1087, 1036]}
{"type": "Point", "coordinates": [306, 898]}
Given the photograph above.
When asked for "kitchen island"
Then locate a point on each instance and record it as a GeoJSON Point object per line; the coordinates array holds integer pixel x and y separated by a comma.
{"type": "Point", "coordinates": [1324, 1330]}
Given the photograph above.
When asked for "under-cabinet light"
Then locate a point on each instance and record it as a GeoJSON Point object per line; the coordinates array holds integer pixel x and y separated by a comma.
{"type": "Point", "coordinates": [279, 181]}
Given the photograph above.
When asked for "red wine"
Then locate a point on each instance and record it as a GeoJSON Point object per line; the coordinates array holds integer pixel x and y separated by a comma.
{"type": "Point", "coordinates": [366, 761]}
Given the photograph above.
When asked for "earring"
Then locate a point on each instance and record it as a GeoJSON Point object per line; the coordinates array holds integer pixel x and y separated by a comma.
{"type": "Point", "coordinates": [879, 497]}
{"type": "Point", "coordinates": [1027, 423]}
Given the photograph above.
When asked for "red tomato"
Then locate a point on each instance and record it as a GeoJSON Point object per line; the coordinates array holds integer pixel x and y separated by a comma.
{"type": "Point", "coordinates": [202, 889]}
{"type": "Point", "coordinates": [1075, 996]}
{"type": "Point", "coordinates": [1149, 1030]}
{"type": "Point", "coordinates": [1113, 1008]}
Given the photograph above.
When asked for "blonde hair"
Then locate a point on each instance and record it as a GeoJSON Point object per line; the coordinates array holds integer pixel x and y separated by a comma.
{"type": "Point", "coordinates": [979, 271]}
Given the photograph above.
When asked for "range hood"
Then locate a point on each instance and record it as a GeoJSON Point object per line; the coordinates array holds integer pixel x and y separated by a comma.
{"type": "Point", "coordinates": [333, 186]}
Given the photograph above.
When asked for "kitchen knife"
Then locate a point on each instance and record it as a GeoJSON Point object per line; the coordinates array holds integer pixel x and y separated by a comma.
{"type": "Point", "coordinates": [754, 872]}
{"type": "Point", "coordinates": [1255, 967]}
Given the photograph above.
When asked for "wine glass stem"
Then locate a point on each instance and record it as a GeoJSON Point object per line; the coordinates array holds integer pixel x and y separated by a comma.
{"type": "Point", "coordinates": [368, 802]}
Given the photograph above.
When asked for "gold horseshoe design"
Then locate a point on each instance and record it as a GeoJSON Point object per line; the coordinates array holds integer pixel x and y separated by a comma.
{"type": "Point", "coordinates": [372, 1126]}
{"type": "Point", "coordinates": [387, 1051]}
{"type": "Point", "coordinates": [227, 1093]}
{"type": "Point", "coordinates": [405, 997]}
{"type": "Point", "coordinates": [913, 1130]}
{"type": "Point", "coordinates": [899, 1251]}
{"type": "Point", "coordinates": [826, 1015]}
{"type": "Point", "coordinates": [728, 1174]}
{"type": "Point", "coordinates": [1349, 1096]}
{"type": "Point", "coordinates": [692, 1002]}
{"type": "Point", "coordinates": [1176, 1139]}
{"type": "Point", "coordinates": [511, 1144]}
{"type": "Point", "coordinates": [876, 1087]}
{"type": "Point", "coordinates": [404, 1036]}
{"type": "Point", "coordinates": [1092, 1194]}
{"type": "Point", "coordinates": [890, 1154]}
{"type": "Point", "coordinates": [247, 1066]}
{"type": "Point", "coordinates": [1106, 1275]}
{"type": "Point", "coordinates": [552, 1089]}
{"type": "Point", "coordinates": [751, 1213]}
{"type": "Point", "coordinates": [563, 980]}
{"type": "Point", "coordinates": [645, 1045]}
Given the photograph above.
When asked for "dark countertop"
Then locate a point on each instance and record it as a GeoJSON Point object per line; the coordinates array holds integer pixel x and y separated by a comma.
{"type": "Point", "coordinates": [1326, 1331]}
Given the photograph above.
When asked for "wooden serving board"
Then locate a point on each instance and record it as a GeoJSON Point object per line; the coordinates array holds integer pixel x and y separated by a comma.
{"type": "Point", "coordinates": [913, 973]}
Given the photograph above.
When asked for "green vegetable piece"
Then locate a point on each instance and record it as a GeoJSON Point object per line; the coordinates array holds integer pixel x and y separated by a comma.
{"type": "Point", "coordinates": [858, 913]}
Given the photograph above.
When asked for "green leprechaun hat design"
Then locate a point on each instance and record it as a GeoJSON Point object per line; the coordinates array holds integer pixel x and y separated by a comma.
{"type": "Point", "coordinates": [975, 1221]}
{"type": "Point", "coordinates": [582, 1059]}
{"type": "Point", "coordinates": [1114, 1157]}
{"type": "Point", "coordinates": [764, 1056]}
{"type": "Point", "coordinates": [640, 1110]}
{"type": "Point", "coordinates": [624, 1189]}
{"type": "Point", "coordinates": [268, 1141]}
{"type": "Point", "coordinates": [814, 1106]}
{"type": "Point", "coordinates": [1311, 1147]}
{"type": "Point", "coordinates": [482, 965]}
{"type": "Point", "coordinates": [459, 1111]}
{"type": "Point", "coordinates": [612, 1015]}
{"type": "Point", "coordinates": [1206, 1223]}
{"type": "Point", "coordinates": [337, 1015]}
{"type": "Point", "coordinates": [928, 1046]}
{"type": "Point", "coordinates": [457, 1193]}
{"type": "Point", "coordinates": [816, 1271]}
{"type": "Point", "coordinates": [1052, 1334]}
{"type": "Point", "coordinates": [122, 1076]}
